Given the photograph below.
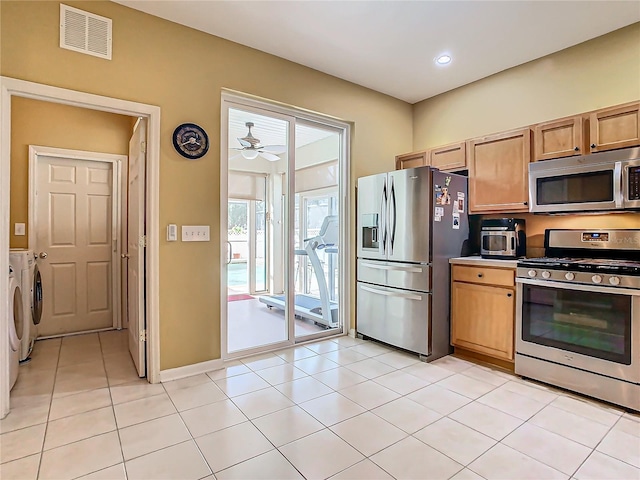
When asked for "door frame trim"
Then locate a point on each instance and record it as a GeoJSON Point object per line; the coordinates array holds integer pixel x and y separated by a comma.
{"type": "Point", "coordinates": [118, 187]}
{"type": "Point", "coordinates": [10, 87]}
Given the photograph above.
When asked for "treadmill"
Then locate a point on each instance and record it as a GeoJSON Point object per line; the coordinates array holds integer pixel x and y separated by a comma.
{"type": "Point", "coordinates": [321, 310]}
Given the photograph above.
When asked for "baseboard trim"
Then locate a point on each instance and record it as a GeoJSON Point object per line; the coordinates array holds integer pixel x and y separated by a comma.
{"type": "Point", "coordinates": [190, 370]}
{"type": "Point", "coordinates": [352, 332]}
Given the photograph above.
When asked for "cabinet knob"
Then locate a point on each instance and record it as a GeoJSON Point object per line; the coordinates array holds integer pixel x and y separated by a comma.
{"type": "Point", "coordinates": [593, 145]}
{"type": "Point", "coordinates": [509, 295]}
{"type": "Point", "coordinates": [525, 203]}
{"type": "Point", "coordinates": [576, 149]}
{"type": "Point", "coordinates": [480, 275]}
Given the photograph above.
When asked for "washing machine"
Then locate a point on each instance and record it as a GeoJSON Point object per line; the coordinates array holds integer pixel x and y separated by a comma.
{"type": "Point", "coordinates": [16, 325]}
{"type": "Point", "coordinates": [26, 270]}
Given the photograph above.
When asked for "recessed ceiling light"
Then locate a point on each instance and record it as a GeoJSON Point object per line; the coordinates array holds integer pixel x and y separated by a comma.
{"type": "Point", "coordinates": [443, 59]}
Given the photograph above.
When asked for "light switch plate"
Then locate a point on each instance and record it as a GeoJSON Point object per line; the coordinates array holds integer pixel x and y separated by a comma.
{"type": "Point", "coordinates": [172, 232]}
{"type": "Point", "coordinates": [195, 233]}
{"type": "Point", "coordinates": [19, 229]}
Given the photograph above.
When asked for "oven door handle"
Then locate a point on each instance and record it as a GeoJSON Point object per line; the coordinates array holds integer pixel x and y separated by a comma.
{"type": "Point", "coordinates": [580, 287]}
{"type": "Point", "coordinates": [618, 194]}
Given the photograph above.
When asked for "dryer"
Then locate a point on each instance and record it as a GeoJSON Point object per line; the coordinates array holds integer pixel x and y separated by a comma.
{"type": "Point", "coordinates": [26, 270]}
{"type": "Point", "coordinates": [16, 325]}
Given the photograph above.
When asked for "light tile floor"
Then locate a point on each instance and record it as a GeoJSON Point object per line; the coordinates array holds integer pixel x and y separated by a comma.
{"type": "Point", "coordinates": [342, 409]}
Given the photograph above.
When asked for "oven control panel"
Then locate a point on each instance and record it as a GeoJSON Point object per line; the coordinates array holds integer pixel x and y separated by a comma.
{"type": "Point", "coordinates": [542, 276]}
{"type": "Point", "coordinates": [595, 236]}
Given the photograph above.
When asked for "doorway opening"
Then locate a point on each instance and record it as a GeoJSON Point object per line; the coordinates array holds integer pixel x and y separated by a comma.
{"type": "Point", "coordinates": [285, 199]}
{"type": "Point", "coordinates": [10, 88]}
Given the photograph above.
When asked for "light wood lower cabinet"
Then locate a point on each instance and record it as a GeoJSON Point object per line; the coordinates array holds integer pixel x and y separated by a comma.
{"type": "Point", "coordinates": [482, 314]}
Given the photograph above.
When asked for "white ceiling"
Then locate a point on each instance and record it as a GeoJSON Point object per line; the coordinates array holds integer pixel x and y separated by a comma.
{"type": "Point", "coordinates": [389, 46]}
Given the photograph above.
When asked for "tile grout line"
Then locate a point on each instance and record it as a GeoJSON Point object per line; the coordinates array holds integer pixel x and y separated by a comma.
{"type": "Point", "coordinates": [113, 410]}
{"type": "Point", "coordinates": [192, 439]}
{"type": "Point", "coordinates": [46, 428]}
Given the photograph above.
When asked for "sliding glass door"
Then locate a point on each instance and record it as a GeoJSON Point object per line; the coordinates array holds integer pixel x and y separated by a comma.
{"type": "Point", "coordinates": [285, 218]}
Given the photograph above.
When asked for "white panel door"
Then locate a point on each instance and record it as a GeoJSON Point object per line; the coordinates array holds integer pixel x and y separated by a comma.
{"type": "Point", "coordinates": [74, 239]}
{"type": "Point", "coordinates": [135, 246]}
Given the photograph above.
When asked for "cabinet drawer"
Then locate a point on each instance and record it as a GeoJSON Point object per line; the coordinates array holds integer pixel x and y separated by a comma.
{"type": "Point", "coordinates": [394, 316]}
{"type": "Point", "coordinates": [484, 275]}
{"type": "Point", "coordinates": [407, 276]}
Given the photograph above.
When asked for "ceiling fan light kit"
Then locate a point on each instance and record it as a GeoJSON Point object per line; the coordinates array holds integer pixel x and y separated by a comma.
{"type": "Point", "coordinates": [251, 147]}
{"type": "Point", "coordinates": [249, 154]}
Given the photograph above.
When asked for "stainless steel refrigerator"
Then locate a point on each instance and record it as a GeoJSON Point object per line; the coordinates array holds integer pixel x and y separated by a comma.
{"type": "Point", "coordinates": [410, 222]}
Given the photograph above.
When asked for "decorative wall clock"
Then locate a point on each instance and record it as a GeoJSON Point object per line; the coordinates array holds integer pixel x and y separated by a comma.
{"type": "Point", "coordinates": [190, 141]}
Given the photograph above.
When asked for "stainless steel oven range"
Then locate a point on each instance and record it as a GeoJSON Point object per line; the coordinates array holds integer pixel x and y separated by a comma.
{"type": "Point", "coordinates": [578, 318]}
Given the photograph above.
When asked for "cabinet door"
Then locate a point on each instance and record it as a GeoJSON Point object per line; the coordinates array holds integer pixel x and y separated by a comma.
{"type": "Point", "coordinates": [450, 157]}
{"type": "Point", "coordinates": [412, 160]}
{"type": "Point", "coordinates": [561, 138]}
{"type": "Point", "coordinates": [612, 128]}
{"type": "Point", "coordinates": [482, 319]}
{"type": "Point", "coordinates": [498, 172]}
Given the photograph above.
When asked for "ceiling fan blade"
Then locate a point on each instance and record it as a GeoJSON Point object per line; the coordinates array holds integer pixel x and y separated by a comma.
{"type": "Point", "coordinates": [235, 156]}
{"type": "Point", "coordinates": [244, 143]}
{"type": "Point", "coordinates": [277, 149]}
{"type": "Point", "coordinates": [269, 156]}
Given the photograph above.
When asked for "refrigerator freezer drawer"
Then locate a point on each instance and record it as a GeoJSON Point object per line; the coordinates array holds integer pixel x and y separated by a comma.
{"type": "Point", "coordinates": [397, 317]}
{"type": "Point", "coordinates": [405, 276]}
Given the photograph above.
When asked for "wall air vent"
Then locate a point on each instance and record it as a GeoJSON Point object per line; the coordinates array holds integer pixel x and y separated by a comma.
{"type": "Point", "coordinates": [85, 32]}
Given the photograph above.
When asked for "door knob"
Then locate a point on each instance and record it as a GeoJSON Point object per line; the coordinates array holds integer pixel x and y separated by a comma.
{"type": "Point", "coordinates": [44, 254]}
{"type": "Point", "coordinates": [124, 255]}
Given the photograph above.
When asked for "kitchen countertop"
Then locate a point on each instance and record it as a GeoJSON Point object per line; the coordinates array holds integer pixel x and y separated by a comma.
{"type": "Point", "coordinates": [483, 262]}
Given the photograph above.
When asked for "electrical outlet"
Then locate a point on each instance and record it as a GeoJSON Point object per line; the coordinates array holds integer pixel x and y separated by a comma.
{"type": "Point", "coordinates": [195, 233]}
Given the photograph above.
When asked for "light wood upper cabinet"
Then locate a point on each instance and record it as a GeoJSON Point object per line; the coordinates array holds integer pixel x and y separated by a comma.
{"type": "Point", "coordinates": [412, 160]}
{"type": "Point", "coordinates": [483, 315]}
{"type": "Point", "coordinates": [498, 172]}
{"type": "Point", "coordinates": [612, 128]}
{"type": "Point", "coordinates": [560, 138]}
{"type": "Point", "coordinates": [450, 157]}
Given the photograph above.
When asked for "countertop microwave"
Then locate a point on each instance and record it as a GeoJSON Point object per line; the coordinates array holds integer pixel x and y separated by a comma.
{"type": "Point", "coordinates": [589, 183]}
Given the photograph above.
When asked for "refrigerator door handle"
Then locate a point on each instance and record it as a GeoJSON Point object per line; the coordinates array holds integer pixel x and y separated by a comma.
{"type": "Point", "coordinates": [392, 268]}
{"type": "Point", "coordinates": [408, 296]}
{"type": "Point", "coordinates": [383, 219]}
{"type": "Point", "coordinates": [392, 223]}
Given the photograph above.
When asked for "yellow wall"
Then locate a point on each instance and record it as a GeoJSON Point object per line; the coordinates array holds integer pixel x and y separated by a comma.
{"type": "Point", "coordinates": [599, 73]}
{"type": "Point", "coordinates": [183, 71]}
{"type": "Point", "coordinates": [60, 126]}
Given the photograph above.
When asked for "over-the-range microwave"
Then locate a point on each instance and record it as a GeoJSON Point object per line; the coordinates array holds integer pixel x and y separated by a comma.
{"type": "Point", "coordinates": [589, 183]}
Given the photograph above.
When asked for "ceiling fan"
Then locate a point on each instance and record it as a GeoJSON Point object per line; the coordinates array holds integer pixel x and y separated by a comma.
{"type": "Point", "coordinates": [251, 147]}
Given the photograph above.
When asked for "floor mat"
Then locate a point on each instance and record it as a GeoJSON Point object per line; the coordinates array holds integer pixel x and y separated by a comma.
{"type": "Point", "coordinates": [240, 296]}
